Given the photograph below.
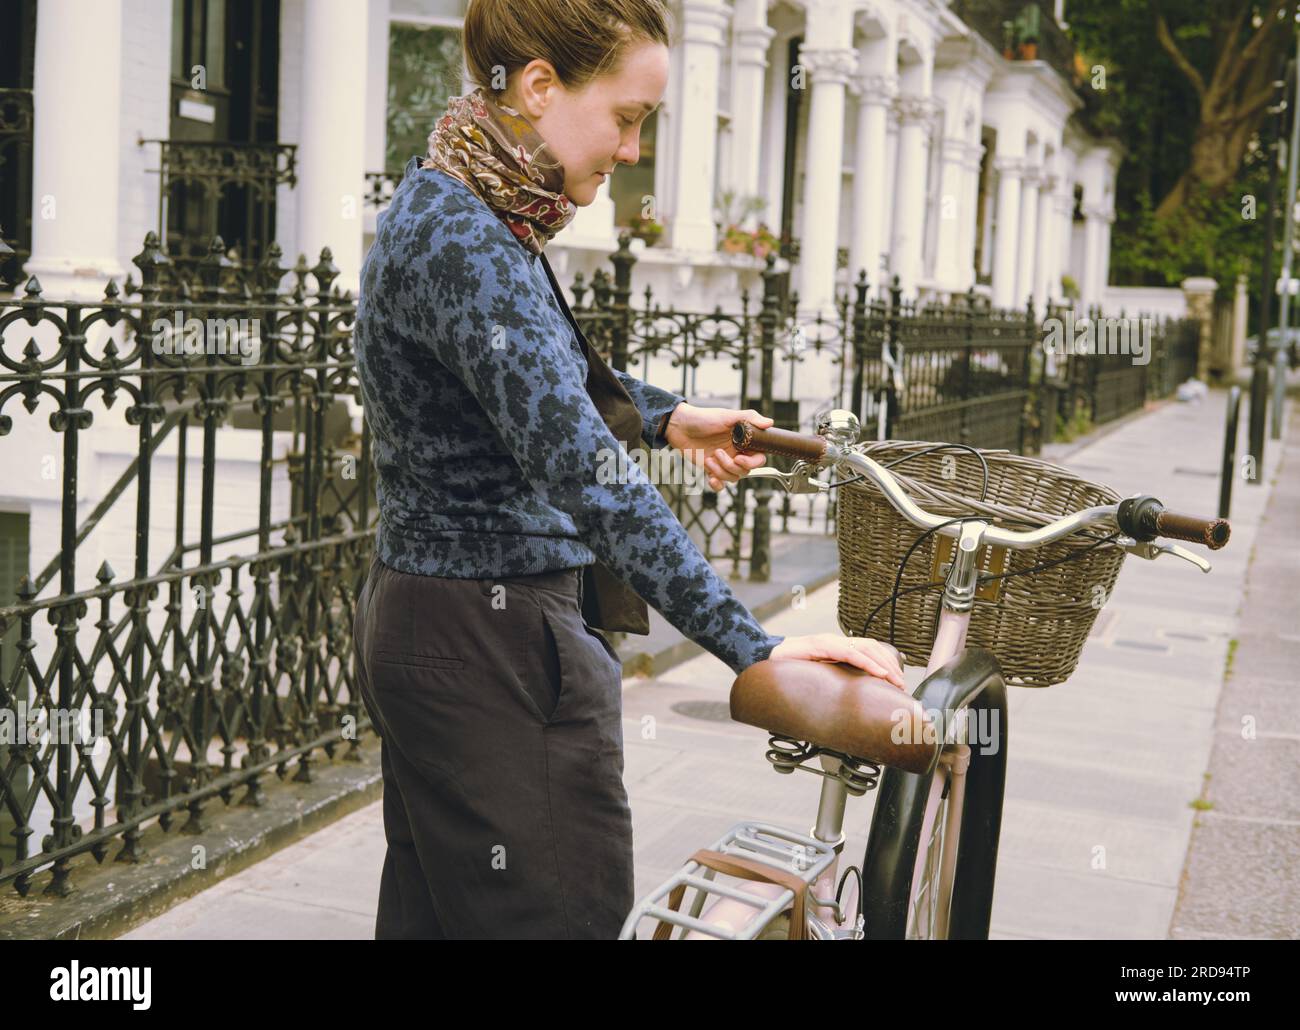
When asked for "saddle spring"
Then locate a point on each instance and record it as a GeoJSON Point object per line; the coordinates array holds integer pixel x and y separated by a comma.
{"type": "Point", "coordinates": [788, 754]}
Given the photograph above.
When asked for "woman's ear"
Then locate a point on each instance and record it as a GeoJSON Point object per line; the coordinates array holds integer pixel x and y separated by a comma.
{"type": "Point", "coordinates": [534, 86]}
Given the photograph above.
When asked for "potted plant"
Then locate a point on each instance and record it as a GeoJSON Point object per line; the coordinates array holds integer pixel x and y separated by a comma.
{"type": "Point", "coordinates": [737, 241]}
{"type": "Point", "coordinates": [648, 229]}
{"type": "Point", "coordinates": [757, 242]}
{"type": "Point", "coordinates": [765, 242]}
{"type": "Point", "coordinates": [1027, 26]}
{"type": "Point", "coordinates": [730, 211]}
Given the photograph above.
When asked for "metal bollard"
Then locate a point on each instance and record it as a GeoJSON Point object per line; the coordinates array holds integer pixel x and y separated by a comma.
{"type": "Point", "coordinates": [1229, 470]}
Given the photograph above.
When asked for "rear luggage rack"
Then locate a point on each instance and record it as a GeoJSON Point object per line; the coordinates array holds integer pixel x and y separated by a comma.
{"type": "Point", "coordinates": [784, 850]}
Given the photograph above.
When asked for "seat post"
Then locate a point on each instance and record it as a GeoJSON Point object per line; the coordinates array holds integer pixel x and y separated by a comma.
{"type": "Point", "coordinates": [830, 806]}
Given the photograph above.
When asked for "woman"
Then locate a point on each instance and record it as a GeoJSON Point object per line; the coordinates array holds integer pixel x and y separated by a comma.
{"type": "Point", "coordinates": [498, 705]}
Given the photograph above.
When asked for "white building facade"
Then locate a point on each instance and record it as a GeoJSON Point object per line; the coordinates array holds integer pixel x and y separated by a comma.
{"type": "Point", "coordinates": [885, 136]}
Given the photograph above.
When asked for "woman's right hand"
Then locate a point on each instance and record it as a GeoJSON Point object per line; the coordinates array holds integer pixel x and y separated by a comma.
{"type": "Point", "coordinates": [873, 656]}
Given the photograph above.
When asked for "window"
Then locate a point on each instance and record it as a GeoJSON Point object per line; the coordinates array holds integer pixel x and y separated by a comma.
{"type": "Point", "coordinates": [631, 184]}
{"type": "Point", "coordinates": [199, 37]}
{"type": "Point", "coordinates": [424, 73]}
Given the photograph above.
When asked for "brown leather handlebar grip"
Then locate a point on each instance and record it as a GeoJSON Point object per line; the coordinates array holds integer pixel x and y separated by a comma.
{"type": "Point", "coordinates": [747, 437]}
{"type": "Point", "coordinates": [1213, 533]}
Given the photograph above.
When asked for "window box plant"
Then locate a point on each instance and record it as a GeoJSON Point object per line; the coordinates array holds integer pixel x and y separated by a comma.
{"type": "Point", "coordinates": [647, 229]}
{"type": "Point", "coordinates": [758, 242]}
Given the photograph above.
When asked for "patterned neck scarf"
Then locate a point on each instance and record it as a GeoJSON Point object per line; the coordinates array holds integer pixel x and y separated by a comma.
{"type": "Point", "coordinates": [496, 152]}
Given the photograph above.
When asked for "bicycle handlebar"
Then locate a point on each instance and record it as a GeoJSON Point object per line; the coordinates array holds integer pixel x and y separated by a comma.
{"type": "Point", "coordinates": [1145, 518]}
{"type": "Point", "coordinates": [1142, 518]}
{"type": "Point", "coordinates": [748, 437]}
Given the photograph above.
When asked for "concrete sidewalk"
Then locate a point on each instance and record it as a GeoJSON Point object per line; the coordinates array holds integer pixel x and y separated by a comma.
{"type": "Point", "coordinates": [1103, 770]}
{"type": "Point", "coordinates": [1242, 877]}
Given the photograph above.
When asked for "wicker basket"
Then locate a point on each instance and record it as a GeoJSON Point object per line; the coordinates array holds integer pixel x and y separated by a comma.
{"type": "Point", "coordinates": [1038, 625]}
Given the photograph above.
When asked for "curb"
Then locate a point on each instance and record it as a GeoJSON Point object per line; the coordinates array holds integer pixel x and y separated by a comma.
{"type": "Point", "coordinates": [112, 898]}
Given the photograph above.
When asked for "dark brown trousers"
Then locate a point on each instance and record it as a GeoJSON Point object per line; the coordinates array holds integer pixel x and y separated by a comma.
{"type": "Point", "coordinates": [500, 717]}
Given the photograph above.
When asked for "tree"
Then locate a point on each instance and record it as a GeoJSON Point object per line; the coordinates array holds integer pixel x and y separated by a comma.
{"type": "Point", "coordinates": [1233, 85]}
{"type": "Point", "coordinates": [1155, 108]}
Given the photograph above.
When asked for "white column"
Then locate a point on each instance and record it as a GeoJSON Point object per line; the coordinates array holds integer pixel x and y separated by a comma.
{"type": "Point", "coordinates": [1047, 250]}
{"type": "Point", "coordinates": [772, 153]}
{"type": "Point", "coordinates": [829, 71]}
{"type": "Point", "coordinates": [1090, 288]}
{"type": "Point", "coordinates": [969, 220]}
{"type": "Point", "coordinates": [1028, 237]}
{"type": "Point", "coordinates": [332, 151]}
{"type": "Point", "coordinates": [867, 245]}
{"type": "Point", "coordinates": [749, 60]}
{"type": "Point", "coordinates": [954, 199]}
{"type": "Point", "coordinates": [77, 86]}
{"type": "Point", "coordinates": [691, 224]}
{"type": "Point", "coordinates": [909, 219]}
{"type": "Point", "coordinates": [1006, 234]}
{"type": "Point", "coordinates": [890, 212]}
{"type": "Point", "coordinates": [377, 85]}
{"type": "Point", "coordinates": [1064, 232]}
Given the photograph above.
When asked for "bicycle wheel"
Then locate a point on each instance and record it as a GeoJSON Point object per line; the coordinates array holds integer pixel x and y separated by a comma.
{"type": "Point", "coordinates": [916, 831]}
{"type": "Point", "coordinates": [932, 880]}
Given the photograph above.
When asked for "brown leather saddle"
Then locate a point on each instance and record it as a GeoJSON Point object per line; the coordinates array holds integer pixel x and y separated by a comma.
{"type": "Point", "coordinates": [839, 708]}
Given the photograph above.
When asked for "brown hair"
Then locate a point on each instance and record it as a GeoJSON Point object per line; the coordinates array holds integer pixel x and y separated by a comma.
{"type": "Point", "coordinates": [582, 39]}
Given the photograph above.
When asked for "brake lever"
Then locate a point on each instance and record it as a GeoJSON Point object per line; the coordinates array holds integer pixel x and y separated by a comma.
{"type": "Point", "coordinates": [1150, 550]}
{"type": "Point", "coordinates": [796, 481]}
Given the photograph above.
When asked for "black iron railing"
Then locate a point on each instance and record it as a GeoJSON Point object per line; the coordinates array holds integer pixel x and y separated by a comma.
{"type": "Point", "coordinates": [195, 672]}
{"type": "Point", "coordinates": [380, 187]}
{"type": "Point", "coordinates": [1127, 361]}
{"type": "Point", "coordinates": [226, 189]}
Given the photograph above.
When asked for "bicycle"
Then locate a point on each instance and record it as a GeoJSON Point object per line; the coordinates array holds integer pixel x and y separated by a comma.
{"type": "Point", "coordinates": [930, 863]}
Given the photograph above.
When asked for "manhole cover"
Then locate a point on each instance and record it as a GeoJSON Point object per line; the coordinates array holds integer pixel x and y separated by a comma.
{"type": "Point", "coordinates": [712, 711]}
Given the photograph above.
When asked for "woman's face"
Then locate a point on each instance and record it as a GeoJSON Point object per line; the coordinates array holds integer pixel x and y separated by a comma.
{"type": "Point", "coordinates": [595, 128]}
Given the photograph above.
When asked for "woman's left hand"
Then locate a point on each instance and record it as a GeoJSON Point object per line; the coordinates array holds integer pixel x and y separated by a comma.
{"type": "Point", "coordinates": [703, 435]}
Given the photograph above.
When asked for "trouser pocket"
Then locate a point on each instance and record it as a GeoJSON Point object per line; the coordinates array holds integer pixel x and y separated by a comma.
{"type": "Point", "coordinates": [544, 681]}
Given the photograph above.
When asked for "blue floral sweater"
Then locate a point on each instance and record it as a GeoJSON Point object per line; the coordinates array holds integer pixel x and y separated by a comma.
{"type": "Point", "coordinates": [487, 446]}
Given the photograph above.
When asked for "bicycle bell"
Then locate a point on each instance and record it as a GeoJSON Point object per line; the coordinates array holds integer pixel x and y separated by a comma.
{"type": "Point", "coordinates": [838, 425]}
